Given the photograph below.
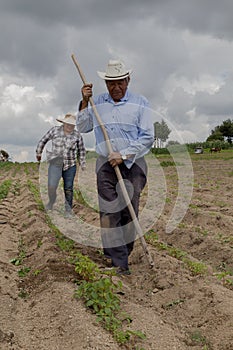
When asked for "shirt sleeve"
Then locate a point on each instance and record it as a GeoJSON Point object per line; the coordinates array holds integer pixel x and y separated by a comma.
{"type": "Point", "coordinates": [84, 120]}
{"type": "Point", "coordinates": [41, 144]}
{"type": "Point", "coordinates": [81, 152]}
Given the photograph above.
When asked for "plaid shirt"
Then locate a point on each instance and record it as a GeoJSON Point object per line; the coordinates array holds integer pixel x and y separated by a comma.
{"type": "Point", "coordinates": [68, 147]}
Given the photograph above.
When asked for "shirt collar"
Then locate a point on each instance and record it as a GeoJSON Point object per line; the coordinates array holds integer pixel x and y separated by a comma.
{"type": "Point", "coordinates": [108, 98]}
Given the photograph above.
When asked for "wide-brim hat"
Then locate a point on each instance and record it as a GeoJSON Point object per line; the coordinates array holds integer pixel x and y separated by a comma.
{"type": "Point", "coordinates": [68, 119]}
{"type": "Point", "coordinates": [115, 71]}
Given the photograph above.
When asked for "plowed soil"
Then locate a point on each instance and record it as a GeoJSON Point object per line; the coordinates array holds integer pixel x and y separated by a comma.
{"type": "Point", "coordinates": [176, 306]}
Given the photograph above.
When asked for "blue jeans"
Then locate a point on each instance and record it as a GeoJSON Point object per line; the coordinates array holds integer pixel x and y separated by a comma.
{"type": "Point", "coordinates": [55, 173]}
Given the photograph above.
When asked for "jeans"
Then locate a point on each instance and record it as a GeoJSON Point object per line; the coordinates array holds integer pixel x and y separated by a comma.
{"type": "Point", "coordinates": [55, 173]}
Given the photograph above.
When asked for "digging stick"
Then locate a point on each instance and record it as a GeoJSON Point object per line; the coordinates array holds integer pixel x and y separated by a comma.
{"type": "Point", "coordinates": [117, 170]}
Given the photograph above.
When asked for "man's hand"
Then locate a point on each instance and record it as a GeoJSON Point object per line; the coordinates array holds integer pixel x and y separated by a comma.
{"type": "Point", "coordinates": [86, 92]}
{"type": "Point", "coordinates": [115, 158]}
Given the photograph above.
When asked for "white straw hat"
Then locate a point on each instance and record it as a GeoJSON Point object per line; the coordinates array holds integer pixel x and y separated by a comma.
{"type": "Point", "coordinates": [68, 119]}
{"type": "Point", "coordinates": [115, 71]}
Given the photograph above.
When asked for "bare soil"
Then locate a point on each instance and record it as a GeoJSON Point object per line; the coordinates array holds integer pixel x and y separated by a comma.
{"type": "Point", "coordinates": [176, 307]}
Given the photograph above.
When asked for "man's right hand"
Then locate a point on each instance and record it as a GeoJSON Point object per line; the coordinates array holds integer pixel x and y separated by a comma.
{"type": "Point", "coordinates": [86, 91]}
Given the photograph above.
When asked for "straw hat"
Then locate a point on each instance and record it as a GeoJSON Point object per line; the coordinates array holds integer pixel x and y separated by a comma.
{"type": "Point", "coordinates": [115, 71]}
{"type": "Point", "coordinates": [68, 119]}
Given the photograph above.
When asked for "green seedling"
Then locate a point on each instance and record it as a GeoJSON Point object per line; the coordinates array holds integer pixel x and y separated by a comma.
{"type": "Point", "coordinates": [24, 271]}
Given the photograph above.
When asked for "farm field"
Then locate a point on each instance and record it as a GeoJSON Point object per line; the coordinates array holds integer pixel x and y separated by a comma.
{"type": "Point", "coordinates": [184, 302]}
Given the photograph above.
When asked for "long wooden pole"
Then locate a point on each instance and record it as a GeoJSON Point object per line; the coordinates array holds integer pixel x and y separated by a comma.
{"type": "Point", "coordinates": [117, 170]}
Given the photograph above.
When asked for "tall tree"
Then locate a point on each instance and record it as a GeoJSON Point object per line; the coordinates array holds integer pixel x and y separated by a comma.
{"type": "Point", "coordinates": [221, 131]}
{"type": "Point", "coordinates": [226, 129]}
{"type": "Point", "coordinates": [216, 134]}
{"type": "Point", "coordinates": [161, 132]}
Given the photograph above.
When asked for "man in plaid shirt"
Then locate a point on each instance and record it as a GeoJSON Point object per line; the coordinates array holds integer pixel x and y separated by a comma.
{"type": "Point", "coordinates": [67, 148]}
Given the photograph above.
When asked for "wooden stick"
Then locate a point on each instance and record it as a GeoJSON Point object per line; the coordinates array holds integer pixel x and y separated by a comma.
{"type": "Point", "coordinates": [117, 170]}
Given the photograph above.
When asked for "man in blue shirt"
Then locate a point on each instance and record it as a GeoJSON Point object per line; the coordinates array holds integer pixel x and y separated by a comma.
{"type": "Point", "coordinates": [128, 123]}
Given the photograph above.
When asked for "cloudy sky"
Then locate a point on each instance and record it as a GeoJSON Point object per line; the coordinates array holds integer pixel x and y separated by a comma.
{"type": "Point", "coordinates": [181, 53]}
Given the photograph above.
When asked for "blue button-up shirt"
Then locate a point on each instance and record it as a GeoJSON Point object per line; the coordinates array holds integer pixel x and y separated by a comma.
{"type": "Point", "coordinates": [128, 124]}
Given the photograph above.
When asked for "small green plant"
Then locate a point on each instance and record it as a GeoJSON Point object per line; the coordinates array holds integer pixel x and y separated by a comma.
{"type": "Point", "coordinates": [173, 303]}
{"type": "Point", "coordinates": [17, 260]}
{"type": "Point", "coordinates": [99, 294]}
{"type": "Point", "coordinates": [167, 163]}
{"type": "Point", "coordinates": [85, 267]}
{"type": "Point", "coordinates": [23, 294]}
{"type": "Point", "coordinates": [16, 188]}
{"type": "Point", "coordinates": [24, 271]}
{"type": "Point", "coordinates": [21, 255]}
{"type": "Point", "coordinates": [202, 231]}
{"type": "Point", "coordinates": [4, 188]}
{"type": "Point", "coordinates": [198, 338]}
{"type": "Point", "coordinates": [197, 268]}
{"type": "Point", "coordinates": [64, 243]}
{"type": "Point", "coordinates": [35, 191]}
{"type": "Point", "coordinates": [39, 243]}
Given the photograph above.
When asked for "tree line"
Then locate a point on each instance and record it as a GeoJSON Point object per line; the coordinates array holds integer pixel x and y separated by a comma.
{"type": "Point", "coordinates": [220, 134]}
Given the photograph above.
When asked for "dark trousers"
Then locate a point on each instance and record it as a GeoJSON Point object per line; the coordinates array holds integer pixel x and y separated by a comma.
{"type": "Point", "coordinates": [117, 229]}
{"type": "Point", "coordinates": [55, 173]}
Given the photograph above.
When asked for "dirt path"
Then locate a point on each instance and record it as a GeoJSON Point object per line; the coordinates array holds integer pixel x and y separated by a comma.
{"type": "Point", "coordinates": [175, 307]}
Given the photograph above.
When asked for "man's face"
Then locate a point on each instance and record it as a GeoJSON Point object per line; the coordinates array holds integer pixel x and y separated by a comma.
{"type": "Point", "coordinates": [68, 128]}
{"type": "Point", "coordinates": [117, 88]}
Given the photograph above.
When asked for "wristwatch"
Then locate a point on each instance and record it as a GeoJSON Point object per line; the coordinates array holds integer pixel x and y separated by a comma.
{"type": "Point", "coordinates": [124, 157]}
